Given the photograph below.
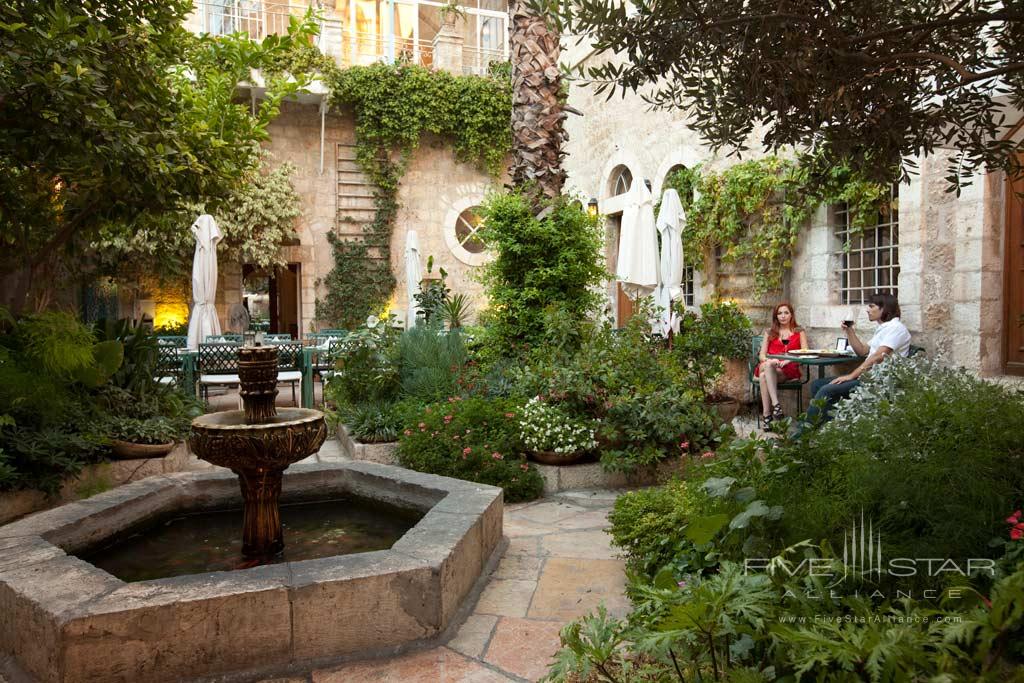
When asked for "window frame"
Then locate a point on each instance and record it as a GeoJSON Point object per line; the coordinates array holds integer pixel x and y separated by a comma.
{"type": "Point", "coordinates": [871, 257]}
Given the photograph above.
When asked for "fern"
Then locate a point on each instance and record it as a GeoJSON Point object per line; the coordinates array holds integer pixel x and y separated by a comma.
{"type": "Point", "coordinates": [430, 360]}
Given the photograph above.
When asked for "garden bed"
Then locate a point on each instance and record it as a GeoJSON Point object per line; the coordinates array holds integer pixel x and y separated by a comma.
{"type": "Point", "coordinates": [590, 475]}
{"type": "Point", "coordinates": [384, 453]}
{"type": "Point", "coordinates": [96, 479]}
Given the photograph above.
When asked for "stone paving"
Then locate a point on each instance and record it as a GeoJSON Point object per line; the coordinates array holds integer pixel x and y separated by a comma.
{"type": "Point", "coordinates": [558, 566]}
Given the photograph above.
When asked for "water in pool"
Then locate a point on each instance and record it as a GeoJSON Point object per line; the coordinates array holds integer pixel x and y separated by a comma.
{"type": "Point", "coordinates": [200, 542]}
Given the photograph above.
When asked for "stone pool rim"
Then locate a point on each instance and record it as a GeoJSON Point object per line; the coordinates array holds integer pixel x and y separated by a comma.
{"type": "Point", "coordinates": [62, 619]}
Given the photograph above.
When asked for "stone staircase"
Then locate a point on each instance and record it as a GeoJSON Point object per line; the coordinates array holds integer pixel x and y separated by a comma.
{"type": "Point", "coordinates": [355, 209]}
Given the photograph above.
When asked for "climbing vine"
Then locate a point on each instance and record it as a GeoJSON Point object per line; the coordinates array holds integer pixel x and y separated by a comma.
{"type": "Point", "coordinates": [756, 210]}
{"type": "Point", "coordinates": [394, 106]}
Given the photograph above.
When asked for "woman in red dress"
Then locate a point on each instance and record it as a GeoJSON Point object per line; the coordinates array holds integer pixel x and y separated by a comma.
{"type": "Point", "coordinates": [784, 335]}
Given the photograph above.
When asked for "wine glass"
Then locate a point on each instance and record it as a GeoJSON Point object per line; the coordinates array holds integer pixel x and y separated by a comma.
{"type": "Point", "coordinates": [785, 342]}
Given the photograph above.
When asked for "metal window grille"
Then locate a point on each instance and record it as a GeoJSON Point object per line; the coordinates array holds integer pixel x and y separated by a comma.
{"type": "Point", "coordinates": [872, 263]}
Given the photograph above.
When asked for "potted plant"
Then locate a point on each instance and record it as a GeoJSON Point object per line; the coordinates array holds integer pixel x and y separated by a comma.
{"type": "Point", "coordinates": [553, 436]}
{"type": "Point", "coordinates": [720, 333]}
{"type": "Point", "coordinates": [132, 437]}
{"type": "Point", "coordinates": [450, 12]}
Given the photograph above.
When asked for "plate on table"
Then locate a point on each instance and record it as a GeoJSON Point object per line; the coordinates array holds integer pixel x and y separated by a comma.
{"type": "Point", "coordinates": [807, 352]}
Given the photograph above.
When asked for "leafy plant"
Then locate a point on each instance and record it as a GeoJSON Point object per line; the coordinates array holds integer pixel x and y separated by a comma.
{"type": "Point", "coordinates": [455, 310]}
{"type": "Point", "coordinates": [372, 422]}
{"type": "Point", "coordinates": [430, 360]}
{"type": "Point", "coordinates": [432, 295]}
{"type": "Point", "coordinates": [705, 342]}
{"type": "Point", "coordinates": [546, 427]}
{"type": "Point", "coordinates": [154, 430]}
{"type": "Point", "coordinates": [475, 439]}
{"type": "Point", "coordinates": [553, 260]}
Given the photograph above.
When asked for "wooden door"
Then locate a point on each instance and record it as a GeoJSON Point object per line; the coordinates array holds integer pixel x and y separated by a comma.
{"type": "Point", "coordinates": [1013, 273]}
{"type": "Point", "coordinates": [624, 306]}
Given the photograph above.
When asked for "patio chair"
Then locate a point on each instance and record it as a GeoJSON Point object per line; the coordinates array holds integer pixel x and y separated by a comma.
{"type": "Point", "coordinates": [755, 385]}
{"type": "Point", "coordinates": [289, 365]}
{"type": "Point", "coordinates": [277, 338]}
{"type": "Point", "coordinates": [169, 366]}
{"type": "Point", "coordinates": [218, 366]}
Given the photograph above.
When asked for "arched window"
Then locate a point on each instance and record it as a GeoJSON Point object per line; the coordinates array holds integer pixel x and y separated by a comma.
{"type": "Point", "coordinates": [620, 181]}
{"type": "Point", "coordinates": [466, 227]}
{"type": "Point", "coordinates": [680, 184]}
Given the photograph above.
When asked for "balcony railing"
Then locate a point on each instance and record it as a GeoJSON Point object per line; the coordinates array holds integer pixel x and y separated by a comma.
{"type": "Point", "coordinates": [260, 18]}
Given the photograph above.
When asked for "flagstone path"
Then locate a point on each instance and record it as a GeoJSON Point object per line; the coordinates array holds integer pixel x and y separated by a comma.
{"type": "Point", "coordinates": [558, 566]}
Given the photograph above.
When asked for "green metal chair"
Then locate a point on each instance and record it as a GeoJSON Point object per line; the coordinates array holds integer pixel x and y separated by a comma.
{"type": "Point", "coordinates": [218, 366]}
{"type": "Point", "coordinates": [289, 365]}
{"type": "Point", "coordinates": [755, 386]}
{"type": "Point", "coordinates": [277, 338]}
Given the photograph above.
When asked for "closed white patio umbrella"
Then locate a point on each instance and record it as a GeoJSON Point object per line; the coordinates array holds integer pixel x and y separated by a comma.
{"type": "Point", "coordinates": [637, 265]}
{"type": "Point", "coordinates": [413, 275]}
{"type": "Point", "coordinates": [203, 321]}
{"type": "Point", "coordinates": [670, 217]}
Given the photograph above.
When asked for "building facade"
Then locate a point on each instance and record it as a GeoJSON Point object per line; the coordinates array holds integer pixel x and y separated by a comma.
{"type": "Point", "coordinates": [955, 263]}
{"type": "Point", "coordinates": [438, 195]}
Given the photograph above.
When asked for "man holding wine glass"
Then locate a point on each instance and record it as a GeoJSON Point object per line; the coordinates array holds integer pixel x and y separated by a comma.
{"type": "Point", "coordinates": [890, 337]}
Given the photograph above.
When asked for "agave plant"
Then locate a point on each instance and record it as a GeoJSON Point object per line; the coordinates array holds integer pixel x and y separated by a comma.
{"type": "Point", "coordinates": [455, 310]}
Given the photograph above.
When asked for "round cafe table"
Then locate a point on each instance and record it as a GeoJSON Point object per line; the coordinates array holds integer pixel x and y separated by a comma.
{"type": "Point", "coordinates": [821, 361]}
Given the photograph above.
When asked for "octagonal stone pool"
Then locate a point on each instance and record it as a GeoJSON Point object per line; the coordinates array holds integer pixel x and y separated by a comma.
{"type": "Point", "coordinates": [63, 619]}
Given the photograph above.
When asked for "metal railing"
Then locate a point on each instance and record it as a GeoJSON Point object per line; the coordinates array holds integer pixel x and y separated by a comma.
{"type": "Point", "coordinates": [260, 18]}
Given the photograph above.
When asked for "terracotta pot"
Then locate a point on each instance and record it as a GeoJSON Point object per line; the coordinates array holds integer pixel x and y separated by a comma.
{"type": "Point", "coordinates": [552, 458]}
{"type": "Point", "coordinates": [126, 450]}
{"type": "Point", "coordinates": [726, 407]}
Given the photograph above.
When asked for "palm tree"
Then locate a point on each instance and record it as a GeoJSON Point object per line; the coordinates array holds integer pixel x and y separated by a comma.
{"type": "Point", "coordinates": [537, 107]}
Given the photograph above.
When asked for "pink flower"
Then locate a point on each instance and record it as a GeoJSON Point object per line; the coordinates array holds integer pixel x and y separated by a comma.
{"type": "Point", "coordinates": [408, 432]}
{"type": "Point", "coordinates": [497, 456]}
{"type": "Point", "coordinates": [1014, 518]}
{"type": "Point", "coordinates": [1016, 534]}
{"type": "Point", "coordinates": [510, 414]}
{"type": "Point", "coordinates": [681, 584]}
{"type": "Point", "coordinates": [467, 450]}
{"type": "Point", "coordinates": [524, 467]}
{"type": "Point", "coordinates": [683, 445]}
{"type": "Point", "coordinates": [422, 425]}
{"type": "Point", "coordinates": [707, 454]}
{"type": "Point", "coordinates": [447, 419]}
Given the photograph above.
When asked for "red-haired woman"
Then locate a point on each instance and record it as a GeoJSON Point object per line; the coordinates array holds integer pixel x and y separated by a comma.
{"type": "Point", "coordinates": [784, 335]}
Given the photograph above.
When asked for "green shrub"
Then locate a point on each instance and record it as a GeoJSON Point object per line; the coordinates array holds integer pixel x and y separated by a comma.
{"type": "Point", "coordinates": [705, 342]}
{"type": "Point", "coordinates": [367, 367]}
{"type": "Point", "coordinates": [627, 384]}
{"type": "Point", "coordinates": [475, 439]}
{"type": "Point", "coordinates": [430, 360]}
{"type": "Point", "coordinates": [372, 422]}
{"type": "Point", "coordinates": [153, 430]}
{"type": "Point", "coordinates": [646, 524]}
{"type": "Point", "coordinates": [552, 261]}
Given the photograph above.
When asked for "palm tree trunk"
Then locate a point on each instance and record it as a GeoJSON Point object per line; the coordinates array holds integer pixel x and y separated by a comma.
{"type": "Point", "coordinates": [537, 113]}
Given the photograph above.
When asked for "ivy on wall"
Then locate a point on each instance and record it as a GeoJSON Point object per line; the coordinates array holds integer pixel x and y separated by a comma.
{"type": "Point", "coordinates": [394, 105]}
{"type": "Point", "coordinates": [757, 209]}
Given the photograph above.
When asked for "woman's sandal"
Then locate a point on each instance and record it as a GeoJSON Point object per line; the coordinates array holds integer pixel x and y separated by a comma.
{"type": "Point", "coordinates": [767, 421]}
{"type": "Point", "coordinates": [777, 412]}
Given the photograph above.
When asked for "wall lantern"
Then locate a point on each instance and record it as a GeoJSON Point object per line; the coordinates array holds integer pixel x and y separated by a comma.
{"type": "Point", "coordinates": [592, 207]}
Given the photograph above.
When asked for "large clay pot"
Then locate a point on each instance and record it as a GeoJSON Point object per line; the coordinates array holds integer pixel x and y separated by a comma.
{"type": "Point", "coordinates": [126, 450]}
{"type": "Point", "coordinates": [726, 407]}
{"type": "Point", "coordinates": [558, 459]}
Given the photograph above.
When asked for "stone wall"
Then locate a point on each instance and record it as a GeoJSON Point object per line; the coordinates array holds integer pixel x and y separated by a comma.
{"type": "Point", "coordinates": [435, 190]}
{"type": "Point", "coordinates": [950, 248]}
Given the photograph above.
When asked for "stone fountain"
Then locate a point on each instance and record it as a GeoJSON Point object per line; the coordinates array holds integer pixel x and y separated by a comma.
{"type": "Point", "coordinates": [258, 444]}
{"type": "Point", "coordinates": [65, 619]}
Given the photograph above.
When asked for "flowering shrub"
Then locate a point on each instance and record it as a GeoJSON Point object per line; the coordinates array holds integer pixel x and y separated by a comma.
{"type": "Point", "coordinates": [548, 427]}
{"type": "Point", "coordinates": [475, 439]}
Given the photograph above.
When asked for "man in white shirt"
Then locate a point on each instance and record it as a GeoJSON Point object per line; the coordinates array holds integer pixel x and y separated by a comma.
{"type": "Point", "coordinates": [891, 337]}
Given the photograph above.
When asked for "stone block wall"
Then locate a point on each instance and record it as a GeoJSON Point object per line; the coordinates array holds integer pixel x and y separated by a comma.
{"type": "Point", "coordinates": [950, 248]}
{"type": "Point", "coordinates": [435, 189]}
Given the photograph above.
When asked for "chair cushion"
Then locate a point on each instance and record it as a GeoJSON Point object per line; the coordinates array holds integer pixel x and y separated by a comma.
{"type": "Point", "coordinates": [218, 379]}
{"type": "Point", "coordinates": [289, 376]}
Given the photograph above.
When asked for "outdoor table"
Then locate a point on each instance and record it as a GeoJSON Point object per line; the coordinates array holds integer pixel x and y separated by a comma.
{"type": "Point", "coordinates": [820, 361]}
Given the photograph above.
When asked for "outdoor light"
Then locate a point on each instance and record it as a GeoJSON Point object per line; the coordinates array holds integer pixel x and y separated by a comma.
{"type": "Point", "coordinates": [592, 207]}
{"type": "Point", "coordinates": [248, 338]}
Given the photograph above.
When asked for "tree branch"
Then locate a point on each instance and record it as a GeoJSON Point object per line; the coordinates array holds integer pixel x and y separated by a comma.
{"type": "Point", "coordinates": [986, 18]}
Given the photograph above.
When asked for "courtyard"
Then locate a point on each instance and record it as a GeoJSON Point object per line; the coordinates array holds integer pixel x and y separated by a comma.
{"type": "Point", "coordinates": [496, 341]}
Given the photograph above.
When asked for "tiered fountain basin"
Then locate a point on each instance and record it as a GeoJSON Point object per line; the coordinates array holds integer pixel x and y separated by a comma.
{"type": "Point", "coordinates": [64, 620]}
